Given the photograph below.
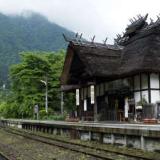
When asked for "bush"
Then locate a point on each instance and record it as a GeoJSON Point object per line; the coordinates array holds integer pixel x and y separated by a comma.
{"type": "Point", "coordinates": [51, 115]}
{"type": "Point", "coordinates": [3, 105]}
{"type": "Point", "coordinates": [54, 117]}
{"type": "Point", "coordinates": [8, 110]}
{"type": "Point", "coordinates": [42, 113]}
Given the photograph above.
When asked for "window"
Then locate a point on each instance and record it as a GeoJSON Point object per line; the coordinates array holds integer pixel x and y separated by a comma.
{"type": "Point", "coordinates": [130, 83]}
{"type": "Point", "coordinates": [137, 96]}
{"type": "Point", "coordinates": [155, 96]}
{"type": "Point", "coordinates": [144, 81]}
{"type": "Point", "coordinates": [154, 80]}
{"type": "Point", "coordinates": [137, 82]}
{"type": "Point", "coordinates": [145, 95]}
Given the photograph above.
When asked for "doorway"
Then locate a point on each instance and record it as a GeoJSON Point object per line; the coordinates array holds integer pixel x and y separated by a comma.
{"type": "Point", "coordinates": [115, 110]}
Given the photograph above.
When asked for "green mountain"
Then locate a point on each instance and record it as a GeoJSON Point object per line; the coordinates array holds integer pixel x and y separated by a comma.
{"type": "Point", "coordinates": [27, 33]}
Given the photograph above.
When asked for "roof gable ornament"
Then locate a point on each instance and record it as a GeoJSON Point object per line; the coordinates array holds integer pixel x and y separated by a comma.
{"type": "Point", "coordinates": [76, 35]}
{"type": "Point", "coordinates": [76, 39]}
{"type": "Point", "coordinates": [153, 24]}
{"type": "Point", "coordinates": [158, 19]}
{"type": "Point", "coordinates": [136, 24]}
{"type": "Point", "coordinates": [80, 36]}
{"type": "Point", "coordinates": [151, 21]}
{"type": "Point", "coordinates": [92, 39]}
{"type": "Point", "coordinates": [104, 41]}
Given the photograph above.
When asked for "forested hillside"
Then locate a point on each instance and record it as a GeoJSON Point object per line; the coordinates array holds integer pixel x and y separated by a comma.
{"type": "Point", "coordinates": [26, 33]}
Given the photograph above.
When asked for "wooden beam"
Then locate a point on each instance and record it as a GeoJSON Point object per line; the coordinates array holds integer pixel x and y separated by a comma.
{"type": "Point", "coordinates": [67, 65]}
{"type": "Point", "coordinates": [69, 87]}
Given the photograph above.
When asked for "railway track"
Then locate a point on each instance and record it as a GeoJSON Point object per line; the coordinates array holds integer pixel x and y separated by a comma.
{"type": "Point", "coordinates": [3, 157]}
{"type": "Point", "coordinates": [76, 147]}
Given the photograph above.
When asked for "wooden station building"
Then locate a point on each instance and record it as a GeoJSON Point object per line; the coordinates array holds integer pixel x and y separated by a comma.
{"type": "Point", "coordinates": [110, 81]}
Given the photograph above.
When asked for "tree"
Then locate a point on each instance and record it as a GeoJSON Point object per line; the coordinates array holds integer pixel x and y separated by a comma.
{"type": "Point", "coordinates": [26, 86]}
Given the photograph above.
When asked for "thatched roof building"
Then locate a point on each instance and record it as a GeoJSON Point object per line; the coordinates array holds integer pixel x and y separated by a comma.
{"type": "Point", "coordinates": [133, 62]}
{"type": "Point", "coordinates": [140, 53]}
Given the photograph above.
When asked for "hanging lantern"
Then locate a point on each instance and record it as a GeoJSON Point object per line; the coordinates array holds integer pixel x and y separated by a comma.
{"type": "Point", "coordinates": [92, 94]}
{"type": "Point", "coordinates": [77, 97]}
{"type": "Point", "coordinates": [85, 105]}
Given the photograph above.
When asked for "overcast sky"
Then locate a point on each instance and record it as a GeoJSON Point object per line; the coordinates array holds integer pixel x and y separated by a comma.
{"type": "Point", "coordinates": [103, 18]}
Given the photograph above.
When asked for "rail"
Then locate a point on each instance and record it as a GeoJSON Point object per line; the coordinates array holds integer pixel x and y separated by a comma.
{"type": "Point", "coordinates": [81, 148]}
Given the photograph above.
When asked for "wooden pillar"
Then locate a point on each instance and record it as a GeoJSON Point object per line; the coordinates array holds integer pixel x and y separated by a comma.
{"type": "Point", "coordinates": [142, 142]}
{"type": "Point", "coordinates": [125, 140]}
{"type": "Point", "coordinates": [101, 137]}
{"type": "Point", "coordinates": [149, 89]}
{"type": "Point", "coordinates": [112, 138]}
{"type": "Point", "coordinates": [95, 111]}
{"type": "Point", "coordinates": [81, 110]}
{"type": "Point", "coordinates": [81, 104]}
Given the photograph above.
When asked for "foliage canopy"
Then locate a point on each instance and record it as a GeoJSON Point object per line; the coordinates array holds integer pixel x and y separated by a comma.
{"type": "Point", "coordinates": [27, 88]}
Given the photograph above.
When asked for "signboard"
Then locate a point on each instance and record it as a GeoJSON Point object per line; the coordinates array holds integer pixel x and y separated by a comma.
{"type": "Point", "coordinates": [92, 94]}
{"type": "Point", "coordinates": [85, 105]}
{"type": "Point", "coordinates": [126, 108]}
{"type": "Point", "coordinates": [36, 109]}
{"type": "Point", "coordinates": [77, 97]}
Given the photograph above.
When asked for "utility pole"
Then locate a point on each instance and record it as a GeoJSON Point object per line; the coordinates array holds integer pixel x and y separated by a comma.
{"type": "Point", "coordinates": [4, 92]}
{"type": "Point", "coordinates": [46, 103]}
{"type": "Point", "coordinates": [62, 103]}
{"type": "Point", "coordinates": [46, 93]}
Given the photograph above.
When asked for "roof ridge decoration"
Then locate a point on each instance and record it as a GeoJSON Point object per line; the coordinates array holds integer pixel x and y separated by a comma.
{"type": "Point", "coordinates": [78, 40]}
{"type": "Point", "coordinates": [136, 25]}
{"type": "Point", "coordinates": [152, 23]}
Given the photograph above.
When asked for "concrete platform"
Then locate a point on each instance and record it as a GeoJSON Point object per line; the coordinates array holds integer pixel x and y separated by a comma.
{"type": "Point", "coordinates": [120, 125]}
{"type": "Point", "coordinates": [143, 136]}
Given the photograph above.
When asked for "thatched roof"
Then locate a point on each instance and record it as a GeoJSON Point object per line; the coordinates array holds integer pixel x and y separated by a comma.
{"type": "Point", "coordinates": [140, 53]}
{"type": "Point", "coordinates": [99, 61]}
{"type": "Point", "coordinates": [90, 60]}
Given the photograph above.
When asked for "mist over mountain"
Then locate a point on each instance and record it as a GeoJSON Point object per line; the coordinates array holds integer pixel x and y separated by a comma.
{"type": "Point", "coordinates": [27, 32]}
